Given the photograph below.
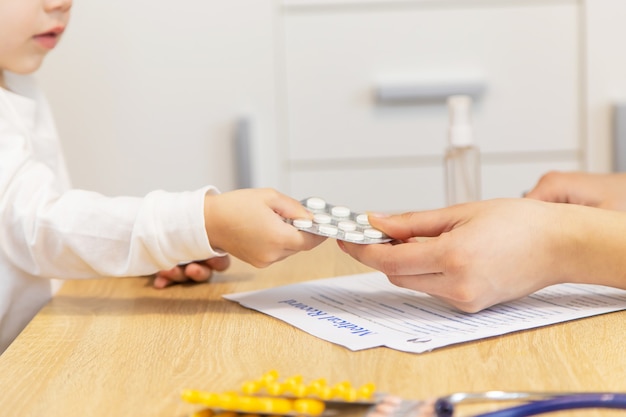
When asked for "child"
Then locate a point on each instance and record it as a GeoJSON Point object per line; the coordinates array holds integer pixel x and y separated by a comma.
{"type": "Point", "coordinates": [50, 231]}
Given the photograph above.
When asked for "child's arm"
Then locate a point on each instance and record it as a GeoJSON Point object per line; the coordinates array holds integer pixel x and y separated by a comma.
{"type": "Point", "coordinates": [248, 224]}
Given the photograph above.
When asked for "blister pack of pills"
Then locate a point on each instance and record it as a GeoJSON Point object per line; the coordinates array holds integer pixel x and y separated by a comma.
{"type": "Point", "coordinates": [270, 396]}
{"type": "Point", "coordinates": [338, 222]}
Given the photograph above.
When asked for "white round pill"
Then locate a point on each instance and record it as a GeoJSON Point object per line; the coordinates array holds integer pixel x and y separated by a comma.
{"type": "Point", "coordinates": [302, 223]}
{"type": "Point", "coordinates": [362, 219]}
{"type": "Point", "coordinates": [346, 225]}
{"type": "Point", "coordinates": [354, 236]}
{"type": "Point", "coordinates": [328, 229]}
{"type": "Point", "coordinates": [315, 203]}
{"type": "Point", "coordinates": [340, 211]}
{"type": "Point", "coordinates": [373, 233]}
{"type": "Point", "coordinates": [322, 218]}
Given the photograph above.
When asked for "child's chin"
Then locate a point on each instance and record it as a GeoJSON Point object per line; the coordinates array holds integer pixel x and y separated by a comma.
{"type": "Point", "coordinates": [28, 66]}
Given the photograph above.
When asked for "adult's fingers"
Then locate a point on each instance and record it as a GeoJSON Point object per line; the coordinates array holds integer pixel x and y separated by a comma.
{"type": "Point", "coordinates": [417, 266]}
{"type": "Point", "coordinates": [413, 258]}
{"type": "Point", "coordinates": [466, 295]}
{"type": "Point", "coordinates": [557, 187]}
{"type": "Point", "coordinates": [419, 223]}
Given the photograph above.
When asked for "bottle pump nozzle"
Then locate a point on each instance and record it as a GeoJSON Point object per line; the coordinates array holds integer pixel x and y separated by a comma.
{"type": "Point", "coordinates": [462, 158]}
{"type": "Point", "coordinates": [460, 131]}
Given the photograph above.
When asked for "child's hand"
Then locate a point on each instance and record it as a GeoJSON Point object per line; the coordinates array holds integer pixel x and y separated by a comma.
{"type": "Point", "coordinates": [596, 190]}
{"type": "Point", "coordinates": [198, 271]}
{"type": "Point", "coordinates": [249, 224]}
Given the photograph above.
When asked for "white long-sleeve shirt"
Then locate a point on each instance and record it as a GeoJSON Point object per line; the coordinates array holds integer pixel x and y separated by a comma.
{"type": "Point", "coordinates": [49, 231]}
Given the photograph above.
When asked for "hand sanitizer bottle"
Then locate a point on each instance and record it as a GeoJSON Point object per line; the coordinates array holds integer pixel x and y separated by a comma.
{"type": "Point", "coordinates": [462, 158]}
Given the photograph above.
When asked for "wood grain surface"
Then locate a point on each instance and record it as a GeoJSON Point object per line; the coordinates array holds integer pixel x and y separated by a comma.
{"type": "Point", "coordinates": [118, 347]}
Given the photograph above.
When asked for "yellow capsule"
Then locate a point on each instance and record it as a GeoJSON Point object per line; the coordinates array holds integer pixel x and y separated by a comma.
{"type": "Point", "coordinates": [227, 400]}
{"type": "Point", "coordinates": [251, 387]}
{"type": "Point", "coordinates": [299, 390]}
{"type": "Point", "coordinates": [325, 393]}
{"type": "Point", "coordinates": [209, 399]}
{"type": "Point", "coordinates": [246, 404]}
{"type": "Point", "coordinates": [189, 395]}
{"type": "Point", "coordinates": [314, 388]}
{"type": "Point", "coordinates": [319, 382]}
{"type": "Point", "coordinates": [275, 388]}
{"type": "Point", "coordinates": [366, 391]}
{"type": "Point", "coordinates": [265, 405]}
{"type": "Point", "coordinates": [280, 405]}
{"type": "Point", "coordinates": [293, 380]}
{"type": "Point", "coordinates": [270, 376]}
{"type": "Point", "coordinates": [349, 395]}
{"type": "Point", "coordinates": [308, 406]}
{"type": "Point", "coordinates": [339, 389]}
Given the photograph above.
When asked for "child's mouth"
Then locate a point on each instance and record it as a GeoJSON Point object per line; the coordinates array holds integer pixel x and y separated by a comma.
{"type": "Point", "coordinates": [49, 40]}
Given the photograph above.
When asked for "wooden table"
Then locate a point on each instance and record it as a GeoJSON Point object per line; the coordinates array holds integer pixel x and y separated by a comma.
{"type": "Point", "coordinates": [117, 347]}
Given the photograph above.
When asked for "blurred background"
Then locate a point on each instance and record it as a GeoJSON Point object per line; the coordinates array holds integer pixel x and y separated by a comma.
{"type": "Point", "coordinates": [343, 99]}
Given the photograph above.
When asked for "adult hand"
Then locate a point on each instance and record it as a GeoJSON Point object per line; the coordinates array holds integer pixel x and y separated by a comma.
{"type": "Point", "coordinates": [595, 190]}
{"type": "Point", "coordinates": [479, 254]}
{"type": "Point", "coordinates": [249, 224]}
{"type": "Point", "coordinates": [198, 271]}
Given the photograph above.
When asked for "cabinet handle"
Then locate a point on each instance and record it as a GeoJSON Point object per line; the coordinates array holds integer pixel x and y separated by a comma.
{"type": "Point", "coordinates": [243, 153]}
{"type": "Point", "coordinates": [400, 92]}
{"type": "Point", "coordinates": [619, 138]}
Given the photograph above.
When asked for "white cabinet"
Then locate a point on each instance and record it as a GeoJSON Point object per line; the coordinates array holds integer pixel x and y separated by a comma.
{"type": "Point", "coordinates": [155, 102]}
{"type": "Point", "coordinates": [343, 143]}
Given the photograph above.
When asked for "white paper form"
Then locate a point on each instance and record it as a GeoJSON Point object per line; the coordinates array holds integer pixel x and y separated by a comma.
{"type": "Point", "coordinates": [365, 310]}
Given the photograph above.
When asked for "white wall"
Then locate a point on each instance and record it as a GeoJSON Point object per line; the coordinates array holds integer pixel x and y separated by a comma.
{"type": "Point", "coordinates": [147, 93]}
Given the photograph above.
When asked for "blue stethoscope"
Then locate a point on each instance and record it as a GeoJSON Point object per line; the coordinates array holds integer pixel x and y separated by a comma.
{"type": "Point", "coordinates": [539, 403]}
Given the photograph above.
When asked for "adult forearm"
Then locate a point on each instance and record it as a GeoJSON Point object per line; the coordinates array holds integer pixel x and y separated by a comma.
{"type": "Point", "coordinates": [594, 246]}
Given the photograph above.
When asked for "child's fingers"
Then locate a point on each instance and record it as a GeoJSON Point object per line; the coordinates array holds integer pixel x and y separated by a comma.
{"type": "Point", "coordinates": [161, 282]}
{"type": "Point", "coordinates": [219, 263]}
{"type": "Point", "coordinates": [308, 241]}
{"type": "Point", "coordinates": [175, 274]}
{"type": "Point", "coordinates": [288, 207]}
{"type": "Point", "coordinates": [289, 240]}
{"type": "Point", "coordinates": [197, 271]}
{"type": "Point", "coordinates": [168, 277]}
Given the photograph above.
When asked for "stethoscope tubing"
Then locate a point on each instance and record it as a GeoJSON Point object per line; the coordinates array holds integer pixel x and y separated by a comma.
{"type": "Point", "coordinates": [558, 403]}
